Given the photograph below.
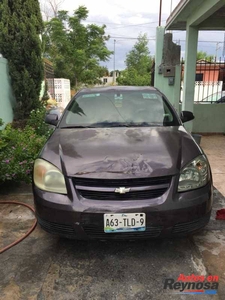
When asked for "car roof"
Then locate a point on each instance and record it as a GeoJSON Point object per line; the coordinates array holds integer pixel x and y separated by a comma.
{"type": "Point", "coordinates": [118, 89]}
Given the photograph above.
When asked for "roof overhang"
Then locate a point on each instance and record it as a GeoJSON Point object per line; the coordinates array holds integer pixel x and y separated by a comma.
{"type": "Point", "coordinates": [203, 14]}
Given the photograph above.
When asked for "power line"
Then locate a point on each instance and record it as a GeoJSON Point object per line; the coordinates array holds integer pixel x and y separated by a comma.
{"type": "Point", "coordinates": [123, 25]}
{"type": "Point", "coordinates": [125, 36]}
{"type": "Point", "coordinates": [201, 41]}
{"type": "Point", "coordinates": [114, 29]}
{"type": "Point", "coordinates": [154, 39]}
{"type": "Point", "coordinates": [133, 25]}
{"type": "Point", "coordinates": [130, 38]}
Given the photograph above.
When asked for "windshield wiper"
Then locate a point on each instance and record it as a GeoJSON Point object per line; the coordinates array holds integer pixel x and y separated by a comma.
{"type": "Point", "coordinates": [77, 126]}
{"type": "Point", "coordinates": [97, 125]}
{"type": "Point", "coordinates": [109, 124]}
{"type": "Point", "coordinates": [126, 124]}
{"type": "Point", "coordinates": [143, 124]}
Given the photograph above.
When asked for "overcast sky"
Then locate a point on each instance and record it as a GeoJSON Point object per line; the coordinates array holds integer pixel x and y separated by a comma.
{"type": "Point", "coordinates": [126, 19]}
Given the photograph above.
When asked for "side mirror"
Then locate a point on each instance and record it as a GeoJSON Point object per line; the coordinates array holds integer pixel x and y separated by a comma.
{"type": "Point", "coordinates": [51, 119]}
{"type": "Point", "coordinates": [186, 116]}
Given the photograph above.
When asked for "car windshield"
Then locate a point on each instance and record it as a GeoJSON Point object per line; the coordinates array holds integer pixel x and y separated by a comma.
{"type": "Point", "coordinates": [118, 108]}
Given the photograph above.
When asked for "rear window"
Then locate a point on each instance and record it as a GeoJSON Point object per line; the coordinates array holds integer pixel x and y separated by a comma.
{"type": "Point", "coordinates": [122, 107]}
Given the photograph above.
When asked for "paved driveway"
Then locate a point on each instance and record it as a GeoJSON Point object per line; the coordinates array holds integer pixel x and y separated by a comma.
{"type": "Point", "coordinates": [46, 267]}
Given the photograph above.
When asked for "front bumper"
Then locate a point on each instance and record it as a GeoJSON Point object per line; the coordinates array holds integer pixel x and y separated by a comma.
{"type": "Point", "coordinates": [173, 214]}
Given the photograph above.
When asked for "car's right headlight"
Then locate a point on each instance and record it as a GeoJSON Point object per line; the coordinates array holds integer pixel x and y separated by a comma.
{"type": "Point", "coordinates": [48, 178]}
{"type": "Point", "coordinates": [194, 175]}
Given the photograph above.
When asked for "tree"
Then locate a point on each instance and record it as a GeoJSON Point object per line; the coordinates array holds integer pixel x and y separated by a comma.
{"type": "Point", "coordinates": [20, 28]}
{"type": "Point", "coordinates": [116, 71]}
{"type": "Point", "coordinates": [131, 77]}
{"type": "Point", "coordinates": [75, 49]}
{"type": "Point", "coordinates": [204, 55]}
{"type": "Point", "coordinates": [138, 62]}
{"type": "Point", "coordinates": [50, 8]}
{"type": "Point", "coordinates": [103, 71]}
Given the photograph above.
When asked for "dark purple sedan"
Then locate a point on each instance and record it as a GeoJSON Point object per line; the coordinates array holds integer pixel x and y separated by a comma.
{"type": "Point", "coordinates": [120, 165]}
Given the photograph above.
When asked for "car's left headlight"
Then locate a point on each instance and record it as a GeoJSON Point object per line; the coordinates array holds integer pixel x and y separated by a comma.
{"type": "Point", "coordinates": [48, 178]}
{"type": "Point", "coordinates": [194, 175]}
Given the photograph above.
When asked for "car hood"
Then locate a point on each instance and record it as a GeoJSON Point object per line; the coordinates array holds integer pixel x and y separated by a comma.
{"type": "Point", "coordinates": [120, 152]}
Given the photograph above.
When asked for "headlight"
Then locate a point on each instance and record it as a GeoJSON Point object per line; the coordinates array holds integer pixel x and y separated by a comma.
{"type": "Point", "coordinates": [48, 178]}
{"type": "Point", "coordinates": [194, 175]}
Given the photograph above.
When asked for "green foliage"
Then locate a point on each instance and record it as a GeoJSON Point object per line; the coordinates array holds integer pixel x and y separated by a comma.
{"type": "Point", "coordinates": [20, 27]}
{"type": "Point", "coordinates": [138, 64]}
{"type": "Point", "coordinates": [20, 147]}
{"type": "Point", "coordinates": [75, 49]}
{"type": "Point", "coordinates": [17, 154]}
{"type": "Point", "coordinates": [204, 55]}
{"type": "Point", "coordinates": [37, 122]}
{"type": "Point", "coordinates": [131, 77]}
{"type": "Point", "coordinates": [1, 122]}
{"type": "Point", "coordinates": [103, 71]}
{"type": "Point", "coordinates": [139, 57]}
{"type": "Point", "coordinates": [45, 96]}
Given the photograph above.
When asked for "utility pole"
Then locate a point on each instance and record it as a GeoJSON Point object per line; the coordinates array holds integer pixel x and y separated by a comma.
{"type": "Point", "coordinates": [114, 63]}
{"type": "Point", "coordinates": [224, 45]}
{"type": "Point", "coordinates": [171, 7]}
{"type": "Point", "coordinates": [217, 48]}
{"type": "Point", "coordinates": [160, 12]}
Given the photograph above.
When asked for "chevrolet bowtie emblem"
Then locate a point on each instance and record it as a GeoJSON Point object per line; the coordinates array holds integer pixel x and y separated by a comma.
{"type": "Point", "coordinates": [122, 190]}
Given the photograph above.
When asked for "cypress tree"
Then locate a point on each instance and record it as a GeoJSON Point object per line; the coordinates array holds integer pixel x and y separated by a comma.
{"type": "Point", "coordinates": [20, 43]}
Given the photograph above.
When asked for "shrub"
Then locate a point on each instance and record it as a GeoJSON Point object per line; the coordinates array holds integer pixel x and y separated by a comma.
{"type": "Point", "coordinates": [37, 121]}
{"type": "Point", "coordinates": [18, 149]}
{"type": "Point", "coordinates": [20, 146]}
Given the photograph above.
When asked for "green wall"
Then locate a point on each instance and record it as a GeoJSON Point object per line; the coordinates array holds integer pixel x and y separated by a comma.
{"type": "Point", "coordinates": [209, 118]}
{"type": "Point", "coordinates": [172, 92]}
{"type": "Point", "coordinates": [7, 101]}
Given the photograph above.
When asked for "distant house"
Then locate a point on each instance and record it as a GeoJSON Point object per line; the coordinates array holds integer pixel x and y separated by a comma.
{"type": "Point", "coordinates": [108, 80]}
{"type": "Point", "coordinates": [210, 71]}
{"type": "Point", "coordinates": [209, 78]}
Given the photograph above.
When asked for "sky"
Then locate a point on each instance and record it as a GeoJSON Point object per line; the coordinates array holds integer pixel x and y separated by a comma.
{"type": "Point", "coordinates": [126, 19]}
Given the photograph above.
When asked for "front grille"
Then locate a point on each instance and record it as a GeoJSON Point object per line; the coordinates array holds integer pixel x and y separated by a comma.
{"type": "Point", "coordinates": [188, 227]}
{"type": "Point", "coordinates": [114, 183]}
{"type": "Point", "coordinates": [56, 228]}
{"type": "Point", "coordinates": [137, 195]}
{"type": "Point", "coordinates": [104, 189]}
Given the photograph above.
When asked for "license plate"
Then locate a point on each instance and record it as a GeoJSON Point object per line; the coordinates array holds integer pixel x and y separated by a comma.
{"type": "Point", "coordinates": [124, 222]}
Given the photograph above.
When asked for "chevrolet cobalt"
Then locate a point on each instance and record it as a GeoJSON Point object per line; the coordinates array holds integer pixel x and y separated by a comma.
{"type": "Point", "coordinates": [120, 165]}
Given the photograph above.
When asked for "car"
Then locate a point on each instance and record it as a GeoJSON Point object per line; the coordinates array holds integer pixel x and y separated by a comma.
{"type": "Point", "coordinates": [121, 165]}
{"type": "Point", "coordinates": [218, 97]}
{"type": "Point", "coordinates": [51, 113]}
{"type": "Point", "coordinates": [53, 110]}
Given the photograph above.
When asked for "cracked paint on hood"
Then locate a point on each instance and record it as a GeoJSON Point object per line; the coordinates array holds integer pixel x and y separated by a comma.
{"type": "Point", "coordinates": [121, 152]}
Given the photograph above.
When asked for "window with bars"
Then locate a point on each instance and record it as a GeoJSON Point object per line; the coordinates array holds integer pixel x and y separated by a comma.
{"type": "Point", "coordinates": [199, 77]}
